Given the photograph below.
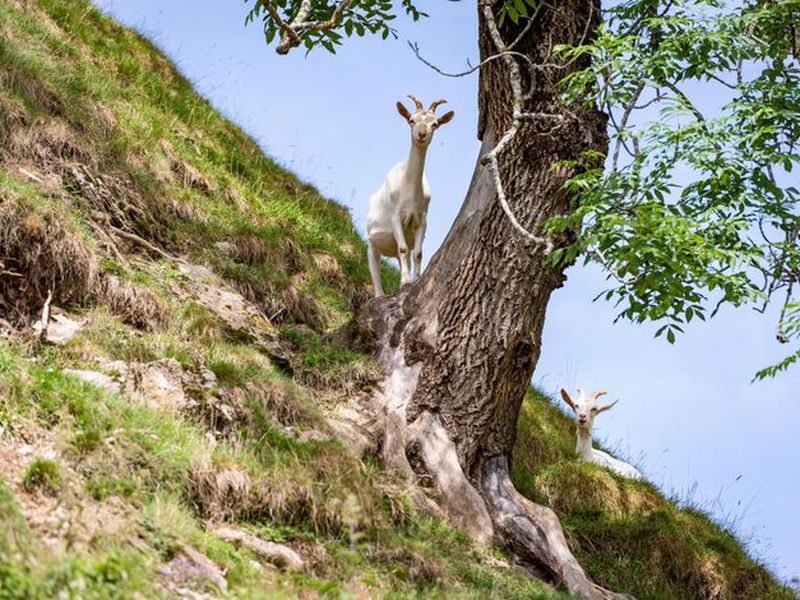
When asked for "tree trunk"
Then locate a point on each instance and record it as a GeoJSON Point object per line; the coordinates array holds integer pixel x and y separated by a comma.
{"type": "Point", "coordinates": [459, 345]}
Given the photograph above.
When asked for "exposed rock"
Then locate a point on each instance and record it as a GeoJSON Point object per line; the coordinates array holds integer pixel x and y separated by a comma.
{"type": "Point", "coordinates": [167, 385]}
{"type": "Point", "coordinates": [279, 554]}
{"type": "Point", "coordinates": [60, 329]}
{"type": "Point", "coordinates": [355, 430]}
{"type": "Point", "coordinates": [190, 568]}
{"type": "Point", "coordinates": [303, 435]}
{"type": "Point", "coordinates": [230, 306]}
{"type": "Point", "coordinates": [241, 316]}
{"type": "Point", "coordinates": [158, 383]}
{"type": "Point", "coordinates": [105, 382]}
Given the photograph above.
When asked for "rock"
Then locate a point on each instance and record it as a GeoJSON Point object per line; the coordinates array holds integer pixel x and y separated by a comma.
{"type": "Point", "coordinates": [60, 329]}
{"type": "Point", "coordinates": [117, 369]}
{"type": "Point", "coordinates": [192, 568]}
{"type": "Point", "coordinates": [104, 382]}
{"type": "Point", "coordinates": [241, 316]}
{"type": "Point", "coordinates": [230, 306]}
{"type": "Point", "coordinates": [303, 435]}
{"type": "Point", "coordinates": [159, 383]}
{"type": "Point", "coordinates": [166, 384]}
{"type": "Point", "coordinates": [354, 429]}
{"type": "Point", "coordinates": [279, 554]}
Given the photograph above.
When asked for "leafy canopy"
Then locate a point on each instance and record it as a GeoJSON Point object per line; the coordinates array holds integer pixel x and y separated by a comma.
{"type": "Point", "coordinates": [357, 17]}
{"type": "Point", "coordinates": [696, 206]}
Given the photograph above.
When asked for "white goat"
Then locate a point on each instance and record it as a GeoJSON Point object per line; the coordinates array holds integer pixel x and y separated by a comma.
{"type": "Point", "coordinates": [586, 409]}
{"type": "Point", "coordinates": [398, 211]}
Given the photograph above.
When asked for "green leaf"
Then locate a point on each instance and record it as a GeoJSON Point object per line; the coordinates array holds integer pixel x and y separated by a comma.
{"type": "Point", "coordinates": [512, 14]}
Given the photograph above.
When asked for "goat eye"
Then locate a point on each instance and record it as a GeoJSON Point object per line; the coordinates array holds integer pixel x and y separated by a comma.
{"type": "Point", "coordinates": [594, 410]}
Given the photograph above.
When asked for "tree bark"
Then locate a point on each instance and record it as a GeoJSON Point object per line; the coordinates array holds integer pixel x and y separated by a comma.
{"type": "Point", "coordinates": [459, 345]}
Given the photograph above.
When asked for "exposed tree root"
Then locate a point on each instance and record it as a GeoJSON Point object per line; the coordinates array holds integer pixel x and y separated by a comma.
{"type": "Point", "coordinates": [534, 532]}
{"type": "Point", "coordinates": [492, 511]}
{"type": "Point", "coordinates": [460, 499]}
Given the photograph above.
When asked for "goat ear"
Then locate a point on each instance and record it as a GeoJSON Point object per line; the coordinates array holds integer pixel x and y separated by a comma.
{"type": "Point", "coordinates": [446, 117]}
{"type": "Point", "coordinates": [403, 111]}
{"type": "Point", "coordinates": [606, 406]}
{"type": "Point", "coordinates": [567, 399]}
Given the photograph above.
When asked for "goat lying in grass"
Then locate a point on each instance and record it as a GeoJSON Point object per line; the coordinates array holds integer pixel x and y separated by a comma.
{"type": "Point", "coordinates": [586, 409]}
{"type": "Point", "coordinates": [398, 211]}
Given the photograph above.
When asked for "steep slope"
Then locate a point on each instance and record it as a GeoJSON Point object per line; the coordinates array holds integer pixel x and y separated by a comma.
{"type": "Point", "coordinates": [182, 425]}
{"type": "Point", "coordinates": [625, 533]}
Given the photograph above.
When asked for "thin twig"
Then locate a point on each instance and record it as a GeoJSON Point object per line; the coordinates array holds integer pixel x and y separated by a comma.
{"type": "Point", "coordinates": [623, 124]}
{"type": "Point", "coordinates": [781, 335]}
{"type": "Point", "coordinates": [491, 158]}
{"type": "Point", "coordinates": [415, 49]}
{"type": "Point", "coordinates": [40, 328]}
{"type": "Point", "coordinates": [600, 258]}
{"type": "Point", "coordinates": [524, 32]}
{"type": "Point", "coordinates": [290, 38]}
{"type": "Point", "coordinates": [142, 242]}
{"type": "Point", "coordinates": [30, 175]}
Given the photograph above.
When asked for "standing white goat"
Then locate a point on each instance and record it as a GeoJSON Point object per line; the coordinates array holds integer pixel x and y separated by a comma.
{"type": "Point", "coordinates": [586, 409]}
{"type": "Point", "coordinates": [398, 211]}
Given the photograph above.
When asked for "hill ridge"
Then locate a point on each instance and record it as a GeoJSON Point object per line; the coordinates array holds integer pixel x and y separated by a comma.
{"type": "Point", "coordinates": [203, 282]}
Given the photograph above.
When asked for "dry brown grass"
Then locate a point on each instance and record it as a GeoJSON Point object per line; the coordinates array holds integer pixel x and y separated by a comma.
{"type": "Point", "coordinates": [41, 251]}
{"type": "Point", "coordinates": [421, 568]}
{"type": "Point", "coordinates": [286, 405]}
{"type": "Point", "coordinates": [35, 89]}
{"type": "Point", "coordinates": [48, 143]}
{"type": "Point", "coordinates": [247, 249]}
{"type": "Point", "coordinates": [133, 303]}
{"type": "Point", "coordinates": [302, 308]}
{"type": "Point", "coordinates": [188, 175]}
{"type": "Point", "coordinates": [328, 267]}
{"type": "Point", "coordinates": [105, 117]}
{"type": "Point", "coordinates": [584, 488]}
{"type": "Point", "coordinates": [315, 493]}
{"type": "Point", "coordinates": [13, 115]}
{"type": "Point", "coordinates": [229, 493]}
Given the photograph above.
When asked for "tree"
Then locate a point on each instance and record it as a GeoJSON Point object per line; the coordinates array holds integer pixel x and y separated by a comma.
{"type": "Point", "coordinates": [458, 346]}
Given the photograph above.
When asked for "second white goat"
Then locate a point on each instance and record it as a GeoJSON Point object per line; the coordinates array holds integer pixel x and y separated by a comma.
{"type": "Point", "coordinates": [586, 409]}
{"type": "Point", "coordinates": [397, 216]}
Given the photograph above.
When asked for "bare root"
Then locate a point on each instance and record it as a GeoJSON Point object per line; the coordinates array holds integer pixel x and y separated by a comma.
{"type": "Point", "coordinates": [534, 532]}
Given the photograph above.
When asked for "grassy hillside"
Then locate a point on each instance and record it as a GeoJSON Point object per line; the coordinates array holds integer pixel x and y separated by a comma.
{"type": "Point", "coordinates": [204, 279]}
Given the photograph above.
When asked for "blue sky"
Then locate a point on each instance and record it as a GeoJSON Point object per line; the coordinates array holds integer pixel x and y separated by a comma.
{"type": "Point", "coordinates": [688, 414]}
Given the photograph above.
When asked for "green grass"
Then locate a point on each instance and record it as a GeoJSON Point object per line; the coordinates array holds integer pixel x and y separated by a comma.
{"type": "Point", "coordinates": [625, 533]}
{"type": "Point", "coordinates": [308, 494]}
{"type": "Point", "coordinates": [43, 474]}
{"type": "Point", "coordinates": [109, 133]}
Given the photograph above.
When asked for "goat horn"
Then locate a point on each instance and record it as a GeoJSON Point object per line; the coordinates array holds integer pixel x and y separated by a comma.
{"type": "Point", "coordinates": [597, 393]}
{"type": "Point", "coordinates": [416, 102]}
{"type": "Point", "coordinates": [435, 104]}
{"type": "Point", "coordinates": [606, 406]}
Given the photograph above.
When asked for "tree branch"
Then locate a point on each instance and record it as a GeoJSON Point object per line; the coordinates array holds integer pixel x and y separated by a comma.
{"type": "Point", "coordinates": [291, 38]}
